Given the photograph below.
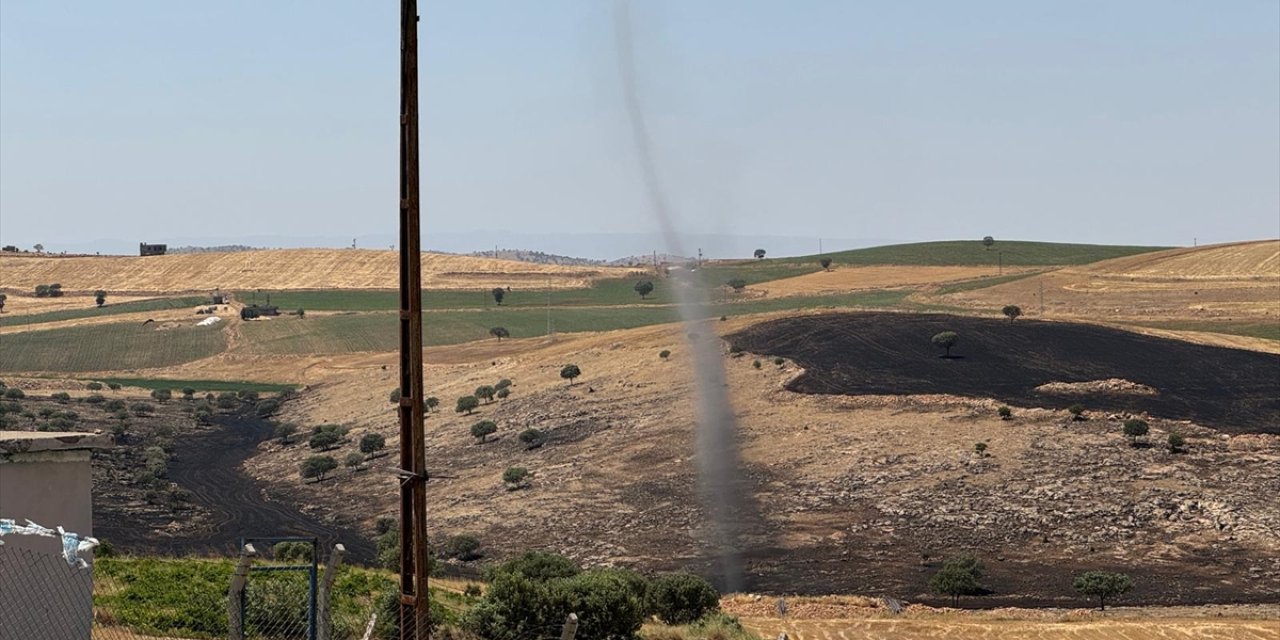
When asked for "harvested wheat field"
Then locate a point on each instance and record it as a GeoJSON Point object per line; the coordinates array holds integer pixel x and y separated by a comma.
{"type": "Point", "coordinates": [1186, 629]}
{"type": "Point", "coordinates": [846, 279]}
{"type": "Point", "coordinates": [283, 269]}
{"type": "Point", "coordinates": [1235, 283]}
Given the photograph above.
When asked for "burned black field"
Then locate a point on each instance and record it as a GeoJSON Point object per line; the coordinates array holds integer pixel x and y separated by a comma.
{"type": "Point", "coordinates": [1231, 390]}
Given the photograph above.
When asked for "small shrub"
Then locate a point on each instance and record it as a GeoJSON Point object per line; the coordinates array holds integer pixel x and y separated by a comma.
{"type": "Point", "coordinates": [1135, 428]}
{"type": "Point", "coordinates": [95, 398]}
{"type": "Point", "coordinates": [114, 386]}
{"type": "Point", "coordinates": [503, 393]}
{"type": "Point", "coordinates": [114, 406]}
{"type": "Point", "coordinates": [1005, 413]}
{"type": "Point", "coordinates": [681, 598]}
{"type": "Point", "coordinates": [756, 364]}
{"type": "Point", "coordinates": [395, 396]}
{"type": "Point", "coordinates": [292, 552]}
{"type": "Point", "coordinates": [353, 460]}
{"type": "Point", "coordinates": [483, 429]}
{"type": "Point", "coordinates": [531, 437]}
{"type": "Point", "coordinates": [14, 393]}
{"type": "Point", "coordinates": [1076, 411]}
{"type": "Point", "coordinates": [472, 590]}
{"type": "Point", "coordinates": [284, 431]}
{"type": "Point", "coordinates": [324, 440]}
{"type": "Point", "coordinates": [142, 408]}
{"type": "Point", "coordinates": [463, 547]}
{"type": "Point", "coordinates": [431, 403]}
{"type": "Point", "coordinates": [62, 397]}
{"type": "Point", "coordinates": [980, 449]}
{"type": "Point", "coordinates": [267, 408]}
{"type": "Point", "coordinates": [372, 442]}
{"type": "Point", "coordinates": [502, 384]}
{"type": "Point", "coordinates": [515, 477]}
{"type": "Point", "coordinates": [466, 404]}
{"type": "Point", "coordinates": [539, 566]}
{"type": "Point", "coordinates": [1176, 442]}
{"type": "Point", "coordinates": [247, 395]}
{"type": "Point", "coordinates": [779, 361]}
{"type": "Point", "coordinates": [161, 395]}
{"type": "Point", "coordinates": [92, 386]}
{"type": "Point", "coordinates": [664, 354]}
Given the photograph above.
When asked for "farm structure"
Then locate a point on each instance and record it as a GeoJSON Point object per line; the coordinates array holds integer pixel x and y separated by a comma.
{"type": "Point", "coordinates": [255, 310]}
{"type": "Point", "coordinates": [145, 249]}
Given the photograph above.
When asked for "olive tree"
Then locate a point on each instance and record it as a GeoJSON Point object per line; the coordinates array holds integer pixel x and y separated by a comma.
{"type": "Point", "coordinates": [371, 443]}
{"type": "Point", "coordinates": [500, 333]}
{"type": "Point", "coordinates": [1011, 311]}
{"type": "Point", "coordinates": [515, 478]}
{"type": "Point", "coordinates": [644, 288]}
{"type": "Point", "coordinates": [317, 466]}
{"type": "Point", "coordinates": [1135, 428]}
{"type": "Point", "coordinates": [570, 372]}
{"type": "Point", "coordinates": [100, 297]}
{"type": "Point", "coordinates": [988, 241]}
{"type": "Point", "coordinates": [958, 576]}
{"type": "Point", "coordinates": [498, 294]}
{"type": "Point", "coordinates": [946, 340]}
{"type": "Point", "coordinates": [482, 430]}
{"type": "Point", "coordinates": [759, 254]}
{"type": "Point", "coordinates": [485, 391]}
{"type": "Point", "coordinates": [826, 264]}
{"type": "Point", "coordinates": [466, 404]}
{"type": "Point", "coordinates": [1103, 585]}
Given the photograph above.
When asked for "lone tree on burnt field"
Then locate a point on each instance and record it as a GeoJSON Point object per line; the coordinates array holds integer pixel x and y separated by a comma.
{"type": "Point", "coordinates": [498, 294]}
{"type": "Point", "coordinates": [946, 340]}
{"type": "Point", "coordinates": [1103, 584]}
{"type": "Point", "coordinates": [644, 288]}
{"type": "Point", "coordinates": [1011, 311]}
{"type": "Point", "coordinates": [500, 333]}
{"type": "Point", "coordinates": [569, 372]}
{"type": "Point", "coordinates": [958, 576]}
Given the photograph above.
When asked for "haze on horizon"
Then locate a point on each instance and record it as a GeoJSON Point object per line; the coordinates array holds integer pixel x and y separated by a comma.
{"type": "Point", "coordinates": [1142, 122]}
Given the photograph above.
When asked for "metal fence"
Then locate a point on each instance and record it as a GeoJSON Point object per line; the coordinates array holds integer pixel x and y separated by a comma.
{"type": "Point", "coordinates": [43, 596]}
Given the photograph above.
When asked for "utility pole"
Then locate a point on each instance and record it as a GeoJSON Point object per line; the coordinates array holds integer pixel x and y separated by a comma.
{"type": "Point", "coordinates": [699, 257]}
{"type": "Point", "coordinates": [415, 615]}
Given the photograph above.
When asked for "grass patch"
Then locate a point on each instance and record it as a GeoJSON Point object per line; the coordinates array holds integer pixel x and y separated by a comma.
{"type": "Point", "coordinates": [1265, 330]}
{"type": "Point", "coordinates": [983, 283]}
{"type": "Point", "coordinates": [199, 385]}
{"type": "Point", "coordinates": [158, 304]}
{"type": "Point", "coordinates": [355, 332]}
{"type": "Point", "coordinates": [615, 291]}
{"type": "Point", "coordinates": [108, 346]}
{"type": "Point", "coordinates": [973, 253]}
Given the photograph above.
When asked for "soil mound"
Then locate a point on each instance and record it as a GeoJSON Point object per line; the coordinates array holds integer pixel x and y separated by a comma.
{"type": "Point", "coordinates": [888, 353]}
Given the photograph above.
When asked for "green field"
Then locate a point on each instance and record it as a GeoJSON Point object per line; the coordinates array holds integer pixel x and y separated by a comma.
{"type": "Point", "coordinates": [604, 292]}
{"type": "Point", "coordinates": [158, 304]}
{"type": "Point", "coordinates": [378, 331]}
{"type": "Point", "coordinates": [107, 347]}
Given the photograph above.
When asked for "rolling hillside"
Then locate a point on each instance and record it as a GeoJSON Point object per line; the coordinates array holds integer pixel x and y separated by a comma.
{"type": "Point", "coordinates": [972, 252]}
{"type": "Point", "coordinates": [283, 269]}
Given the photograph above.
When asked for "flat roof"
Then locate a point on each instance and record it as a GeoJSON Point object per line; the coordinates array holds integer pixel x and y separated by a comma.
{"type": "Point", "coordinates": [27, 441]}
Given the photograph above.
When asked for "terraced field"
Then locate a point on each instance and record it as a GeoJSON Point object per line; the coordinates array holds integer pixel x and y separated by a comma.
{"type": "Point", "coordinates": [894, 629]}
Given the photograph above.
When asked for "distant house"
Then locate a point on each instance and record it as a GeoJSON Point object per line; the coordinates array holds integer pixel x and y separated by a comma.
{"type": "Point", "coordinates": [145, 249]}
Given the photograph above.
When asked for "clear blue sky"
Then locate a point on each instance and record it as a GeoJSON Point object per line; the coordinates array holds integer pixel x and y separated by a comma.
{"type": "Point", "coordinates": [1127, 121]}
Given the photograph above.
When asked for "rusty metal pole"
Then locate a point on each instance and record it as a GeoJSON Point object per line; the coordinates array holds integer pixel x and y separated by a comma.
{"type": "Point", "coordinates": [414, 611]}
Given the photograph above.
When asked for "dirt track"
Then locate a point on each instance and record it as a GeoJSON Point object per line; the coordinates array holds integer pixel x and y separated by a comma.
{"type": "Point", "coordinates": [875, 353]}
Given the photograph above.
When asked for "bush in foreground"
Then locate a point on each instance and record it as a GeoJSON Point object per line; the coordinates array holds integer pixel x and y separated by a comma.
{"type": "Point", "coordinates": [681, 598]}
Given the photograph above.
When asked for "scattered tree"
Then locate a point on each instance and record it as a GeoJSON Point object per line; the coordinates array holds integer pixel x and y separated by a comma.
{"type": "Point", "coordinates": [532, 438]}
{"type": "Point", "coordinates": [1103, 584]}
{"type": "Point", "coordinates": [980, 449]}
{"type": "Point", "coordinates": [756, 364]}
{"type": "Point", "coordinates": [485, 391]}
{"type": "Point", "coordinates": [738, 284]}
{"type": "Point", "coordinates": [55, 290]}
{"type": "Point", "coordinates": [959, 576]}
{"type": "Point", "coordinates": [38, 247]}
{"type": "Point", "coordinates": [503, 393]}
{"type": "Point", "coordinates": [498, 294]}
{"type": "Point", "coordinates": [371, 443]}
{"type": "Point", "coordinates": [988, 241]}
{"type": "Point", "coordinates": [324, 440]}
{"type": "Point", "coordinates": [570, 372]}
{"type": "Point", "coordinates": [188, 393]}
{"type": "Point", "coordinates": [483, 429]}
{"type": "Point", "coordinates": [100, 297]}
{"type": "Point", "coordinates": [1076, 411]}
{"type": "Point", "coordinates": [759, 254]}
{"type": "Point", "coordinates": [946, 340]}
{"type": "Point", "coordinates": [61, 397]}
{"type": "Point", "coordinates": [161, 395]}
{"type": "Point", "coordinates": [142, 408]}
{"type": "Point", "coordinates": [285, 430]}
{"type": "Point", "coordinates": [515, 477]}
{"type": "Point", "coordinates": [301, 313]}
{"type": "Point", "coordinates": [664, 354]}
{"type": "Point", "coordinates": [467, 404]}
{"type": "Point", "coordinates": [3, 298]}
{"type": "Point", "coordinates": [644, 288]}
{"type": "Point", "coordinates": [502, 384]}
{"type": "Point", "coordinates": [826, 264]}
{"type": "Point", "coordinates": [1011, 311]}
{"type": "Point", "coordinates": [42, 291]}
{"type": "Point", "coordinates": [1135, 428]}
{"type": "Point", "coordinates": [267, 408]}
{"type": "Point", "coordinates": [14, 393]}
{"type": "Point", "coordinates": [1005, 413]}
{"type": "Point", "coordinates": [353, 460]}
{"type": "Point", "coordinates": [317, 466]}
{"type": "Point", "coordinates": [431, 403]}
{"type": "Point", "coordinates": [500, 333]}
{"type": "Point", "coordinates": [779, 362]}
{"type": "Point", "coordinates": [1176, 442]}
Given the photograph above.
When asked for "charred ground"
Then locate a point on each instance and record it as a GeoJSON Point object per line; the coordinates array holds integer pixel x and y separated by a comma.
{"type": "Point", "coordinates": [1232, 390]}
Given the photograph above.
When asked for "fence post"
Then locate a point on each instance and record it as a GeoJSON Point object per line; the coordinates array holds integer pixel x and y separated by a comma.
{"type": "Point", "coordinates": [235, 593]}
{"type": "Point", "coordinates": [322, 606]}
{"type": "Point", "coordinates": [570, 627]}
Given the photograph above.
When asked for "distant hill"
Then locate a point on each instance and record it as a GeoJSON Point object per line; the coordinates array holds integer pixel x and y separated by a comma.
{"type": "Point", "coordinates": [648, 260]}
{"type": "Point", "coordinates": [537, 257]}
{"type": "Point", "coordinates": [972, 252]}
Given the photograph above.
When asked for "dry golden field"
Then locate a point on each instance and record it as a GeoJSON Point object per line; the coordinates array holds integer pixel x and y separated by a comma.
{"type": "Point", "coordinates": [1222, 283]}
{"type": "Point", "coordinates": [282, 269]}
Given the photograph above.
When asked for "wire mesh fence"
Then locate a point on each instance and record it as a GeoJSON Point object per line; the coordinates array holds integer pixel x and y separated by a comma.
{"type": "Point", "coordinates": [45, 597]}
